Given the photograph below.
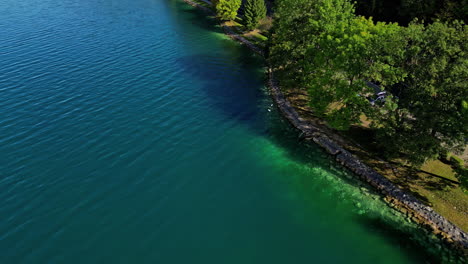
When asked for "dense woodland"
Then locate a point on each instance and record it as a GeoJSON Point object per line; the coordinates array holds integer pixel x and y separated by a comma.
{"type": "Point", "coordinates": [404, 11]}
{"type": "Point", "coordinates": [399, 68]}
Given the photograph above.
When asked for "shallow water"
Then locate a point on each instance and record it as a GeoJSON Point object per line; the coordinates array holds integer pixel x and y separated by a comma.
{"type": "Point", "coordinates": [135, 132]}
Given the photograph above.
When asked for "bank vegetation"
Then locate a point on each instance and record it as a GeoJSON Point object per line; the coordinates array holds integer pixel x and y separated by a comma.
{"type": "Point", "coordinates": [389, 76]}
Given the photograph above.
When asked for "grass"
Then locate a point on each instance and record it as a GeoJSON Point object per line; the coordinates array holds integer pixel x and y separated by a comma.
{"type": "Point", "coordinates": [433, 183]}
{"type": "Point", "coordinates": [439, 168]}
{"type": "Point", "coordinates": [255, 36]}
{"type": "Point", "coordinates": [446, 198]}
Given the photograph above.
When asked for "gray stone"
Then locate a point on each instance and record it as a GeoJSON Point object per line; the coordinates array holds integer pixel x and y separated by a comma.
{"type": "Point", "coordinates": [405, 202]}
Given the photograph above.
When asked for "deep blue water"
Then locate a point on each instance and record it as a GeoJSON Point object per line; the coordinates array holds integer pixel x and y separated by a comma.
{"type": "Point", "coordinates": [135, 132]}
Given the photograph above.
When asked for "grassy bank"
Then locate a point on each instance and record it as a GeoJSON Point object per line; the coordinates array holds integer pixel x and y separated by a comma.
{"type": "Point", "coordinates": [433, 183]}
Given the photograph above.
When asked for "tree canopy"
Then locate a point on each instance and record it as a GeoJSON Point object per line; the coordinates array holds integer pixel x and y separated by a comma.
{"type": "Point", "coordinates": [323, 47]}
{"type": "Point", "coordinates": [227, 9]}
{"type": "Point", "coordinates": [255, 10]}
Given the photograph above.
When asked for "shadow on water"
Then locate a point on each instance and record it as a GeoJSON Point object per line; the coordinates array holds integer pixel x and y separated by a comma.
{"type": "Point", "coordinates": [230, 84]}
{"type": "Point", "coordinates": [231, 81]}
{"type": "Point", "coordinates": [237, 95]}
{"type": "Point", "coordinates": [235, 91]}
{"type": "Point", "coordinates": [419, 251]}
{"type": "Point", "coordinates": [195, 16]}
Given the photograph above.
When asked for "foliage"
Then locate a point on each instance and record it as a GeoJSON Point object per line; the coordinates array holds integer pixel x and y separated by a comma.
{"type": "Point", "coordinates": [294, 24]}
{"type": "Point", "coordinates": [227, 9]}
{"type": "Point", "coordinates": [461, 173]}
{"type": "Point", "coordinates": [345, 57]}
{"type": "Point", "coordinates": [332, 53]}
{"type": "Point", "coordinates": [255, 10]}
{"type": "Point", "coordinates": [405, 11]}
{"type": "Point", "coordinates": [323, 47]}
{"type": "Point", "coordinates": [446, 10]}
{"type": "Point", "coordinates": [431, 116]}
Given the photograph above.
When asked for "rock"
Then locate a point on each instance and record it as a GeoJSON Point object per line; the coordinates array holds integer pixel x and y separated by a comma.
{"type": "Point", "coordinates": [405, 202]}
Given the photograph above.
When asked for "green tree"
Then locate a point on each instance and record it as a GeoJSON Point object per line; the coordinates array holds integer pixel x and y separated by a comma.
{"type": "Point", "coordinates": [322, 47]}
{"type": "Point", "coordinates": [295, 24]}
{"type": "Point", "coordinates": [347, 56]}
{"type": "Point", "coordinates": [431, 116]}
{"type": "Point", "coordinates": [255, 10]}
{"type": "Point", "coordinates": [227, 9]}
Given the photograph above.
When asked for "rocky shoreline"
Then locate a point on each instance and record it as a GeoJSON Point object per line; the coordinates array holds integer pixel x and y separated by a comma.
{"type": "Point", "coordinates": [404, 202]}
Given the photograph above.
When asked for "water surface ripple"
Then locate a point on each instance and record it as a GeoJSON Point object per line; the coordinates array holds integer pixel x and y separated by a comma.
{"type": "Point", "coordinates": [134, 132]}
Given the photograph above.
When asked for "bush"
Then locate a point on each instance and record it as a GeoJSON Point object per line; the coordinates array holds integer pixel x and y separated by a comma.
{"type": "Point", "coordinates": [462, 175]}
{"type": "Point", "coordinates": [255, 10]}
{"type": "Point", "coordinates": [227, 9]}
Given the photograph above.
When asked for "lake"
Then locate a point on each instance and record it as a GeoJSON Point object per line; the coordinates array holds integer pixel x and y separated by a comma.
{"type": "Point", "coordinates": [134, 131]}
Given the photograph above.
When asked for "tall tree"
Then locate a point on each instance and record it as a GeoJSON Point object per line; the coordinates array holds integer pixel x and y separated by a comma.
{"type": "Point", "coordinates": [431, 116]}
{"type": "Point", "coordinates": [227, 9]}
{"type": "Point", "coordinates": [321, 46]}
{"type": "Point", "coordinates": [294, 24]}
{"type": "Point", "coordinates": [255, 10]}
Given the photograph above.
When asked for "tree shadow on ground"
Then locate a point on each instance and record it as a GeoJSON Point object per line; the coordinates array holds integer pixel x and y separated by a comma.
{"type": "Point", "coordinates": [367, 151]}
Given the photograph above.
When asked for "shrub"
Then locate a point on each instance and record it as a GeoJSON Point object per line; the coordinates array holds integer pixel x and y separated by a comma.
{"type": "Point", "coordinates": [255, 10]}
{"type": "Point", "coordinates": [227, 9]}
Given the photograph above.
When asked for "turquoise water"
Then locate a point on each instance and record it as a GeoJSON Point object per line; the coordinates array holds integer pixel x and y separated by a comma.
{"type": "Point", "coordinates": [132, 131]}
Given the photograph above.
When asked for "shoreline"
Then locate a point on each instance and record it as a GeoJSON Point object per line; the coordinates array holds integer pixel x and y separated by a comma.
{"type": "Point", "coordinates": [406, 203]}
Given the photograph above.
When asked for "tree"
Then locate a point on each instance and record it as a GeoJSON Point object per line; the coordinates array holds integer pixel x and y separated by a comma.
{"type": "Point", "coordinates": [328, 51]}
{"type": "Point", "coordinates": [227, 9]}
{"type": "Point", "coordinates": [322, 47]}
{"type": "Point", "coordinates": [255, 10]}
{"type": "Point", "coordinates": [431, 117]}
{"type": "Point", "coordinates": [293, 28]}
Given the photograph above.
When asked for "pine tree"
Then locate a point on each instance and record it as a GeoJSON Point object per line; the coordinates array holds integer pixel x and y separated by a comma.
{"type": "Point", "coordinates": [255, 10]}
{"type": "Point", "coordinates": [227, 9]}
